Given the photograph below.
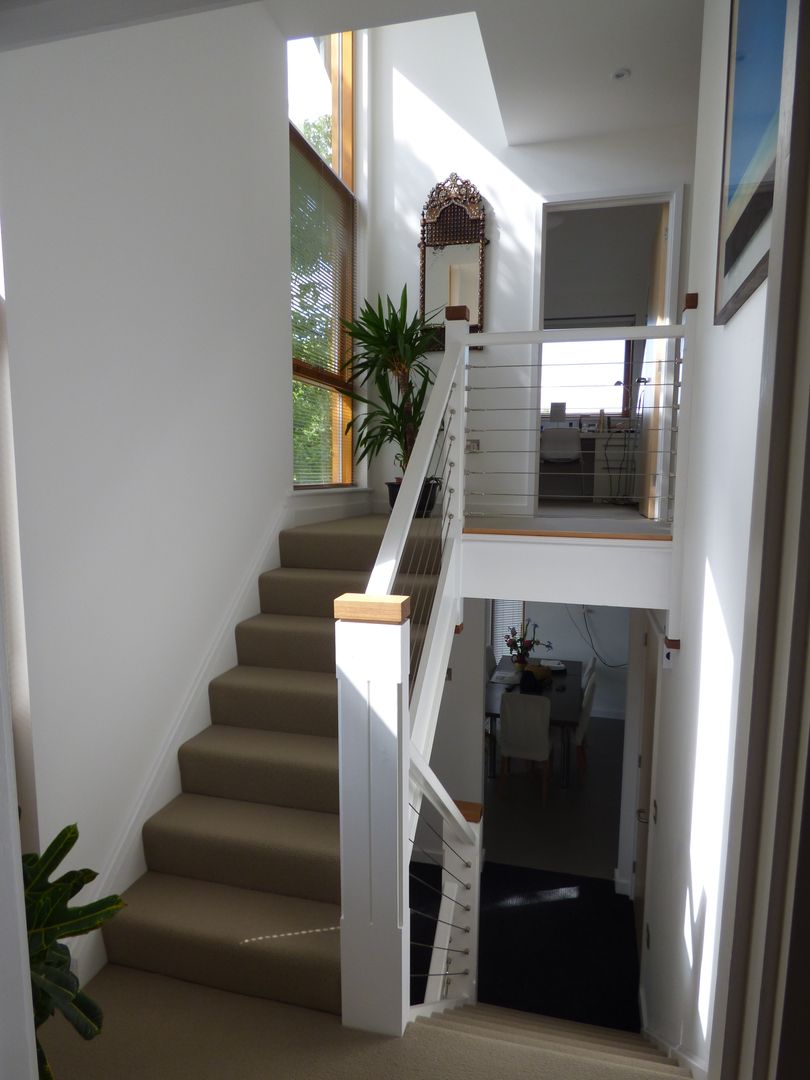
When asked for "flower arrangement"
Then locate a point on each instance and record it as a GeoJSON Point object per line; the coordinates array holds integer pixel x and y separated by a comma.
{"type": "Point", "coordinates": [522, 641]}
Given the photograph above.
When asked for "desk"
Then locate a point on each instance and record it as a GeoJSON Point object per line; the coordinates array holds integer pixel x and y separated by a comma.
{"type": "Point", "coordinates": [565, 693]}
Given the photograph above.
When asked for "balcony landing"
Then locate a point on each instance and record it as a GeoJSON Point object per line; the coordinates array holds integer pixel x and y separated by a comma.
{"type": "Point", "coordinates": [601, 521]}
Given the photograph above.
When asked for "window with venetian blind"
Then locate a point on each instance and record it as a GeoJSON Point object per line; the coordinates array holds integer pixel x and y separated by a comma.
{"type": "Point", "coordinates": [322, 224]}
{"type": "Point", "coordinates": [505, 614]}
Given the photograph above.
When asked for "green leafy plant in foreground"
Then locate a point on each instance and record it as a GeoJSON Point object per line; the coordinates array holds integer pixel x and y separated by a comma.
{"type": "Point", "coordinates": [49, 919]}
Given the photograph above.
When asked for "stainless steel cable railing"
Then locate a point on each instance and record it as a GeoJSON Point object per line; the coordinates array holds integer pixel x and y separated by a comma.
{"type": "Point", "coordinates": [622, 440]}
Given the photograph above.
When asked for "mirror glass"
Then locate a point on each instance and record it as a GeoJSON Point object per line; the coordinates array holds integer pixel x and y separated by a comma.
{"type": "Point", "coordinates": [451, 253]}
{"type": "Point", "coordinates": [451, 277]}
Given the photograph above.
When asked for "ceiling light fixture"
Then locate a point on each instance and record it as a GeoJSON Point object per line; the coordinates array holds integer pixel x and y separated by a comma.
{"type": "Point", "coordinates": [621, 73]}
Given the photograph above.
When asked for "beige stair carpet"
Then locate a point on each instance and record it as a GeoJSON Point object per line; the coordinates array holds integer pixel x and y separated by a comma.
{"type": "Point", "coordinates": [164, 1029]}
{"type": "Point", "coordinates": [243, 884]}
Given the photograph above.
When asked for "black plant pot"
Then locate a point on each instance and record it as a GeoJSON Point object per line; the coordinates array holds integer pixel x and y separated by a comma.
{"type": "Point", "coordinates": [427, 497]}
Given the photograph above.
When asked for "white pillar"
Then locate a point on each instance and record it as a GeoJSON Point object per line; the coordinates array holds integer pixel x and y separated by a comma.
{"type": "Point", "coordinates": [17, 1046]}
{"type": "Point", "coordinates": [372, 646]}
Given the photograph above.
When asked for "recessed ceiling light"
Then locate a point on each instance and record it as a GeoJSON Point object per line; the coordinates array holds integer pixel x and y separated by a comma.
{"type": "Point", "coordinates": [622, 73]}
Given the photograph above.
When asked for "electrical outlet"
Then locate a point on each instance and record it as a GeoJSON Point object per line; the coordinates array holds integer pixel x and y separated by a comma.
{"type": "Point", "coordinates": [668, 659]}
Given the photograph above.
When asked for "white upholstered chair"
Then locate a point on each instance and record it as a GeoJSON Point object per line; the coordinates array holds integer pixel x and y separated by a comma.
{"type": "Point", "coordinates": [561, 447]}
{"type": "Point", "coordinates": [587, 671]}
{"type": "Point", "coordinates": [490, 663]}
{"type": "Point", "coordinates": [582, 727]}
{"type": "Point", "coordinates": [524, 732]}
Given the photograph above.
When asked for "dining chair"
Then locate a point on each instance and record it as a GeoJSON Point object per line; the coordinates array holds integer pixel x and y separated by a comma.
{"type": "Point", "coordinates": [490, 663]}
{"type": "Point", "coordinates": [582, 727]}
{"type": "Point", "coordinates": [588, 670]}
{"type": "Point", "coordinates": [562, 446]}
{"type": "Point", "coordinates": [525, 720]}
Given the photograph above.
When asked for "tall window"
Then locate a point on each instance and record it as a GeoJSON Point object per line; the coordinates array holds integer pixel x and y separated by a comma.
{"type": "Point", "coordinates": [322, 220]}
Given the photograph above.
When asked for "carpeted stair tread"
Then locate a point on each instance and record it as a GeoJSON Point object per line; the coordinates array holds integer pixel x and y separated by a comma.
{"type": "Point", "coordinates": [346, 544]}
{"type": "Point", "coordinates": [582, 1047]}
{"type": "Point", "coordinates": [275, 699]}
{"type": "Point", "coordinates": [247, 844]}
{"type": "Point", "coordinates": [541, 1022]}
{"type": "Point", "coordinates": [297, 591]}
{"type": "Point", "coordinates": [276, 767]}
{"type": "Point", "coordinates": [240, 940]}
{"type": "Point", "coordinates": [353, 543]}
{"type": "Point", "coordinates": [549, 1062]}
{"type": "Point", "coordinates": [543, 1025]}
{"type": "Point", "coordinates": [306, 642]}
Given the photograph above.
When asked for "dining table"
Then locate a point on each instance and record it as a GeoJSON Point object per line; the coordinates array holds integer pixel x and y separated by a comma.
{"type": "Point", "coordinates": [563, 688]}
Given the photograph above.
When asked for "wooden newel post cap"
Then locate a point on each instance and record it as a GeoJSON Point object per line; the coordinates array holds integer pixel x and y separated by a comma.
{"type": "Point", "coordinates": [360, 607]}
{"type": "Point", "coordinates": [457, 312]}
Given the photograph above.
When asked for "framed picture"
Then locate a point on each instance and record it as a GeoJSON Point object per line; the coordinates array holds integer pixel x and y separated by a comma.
{"type": "Point", "coordinates": [753, 91]}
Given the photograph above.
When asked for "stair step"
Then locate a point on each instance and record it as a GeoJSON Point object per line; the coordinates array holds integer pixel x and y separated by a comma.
{"type": "Point", "coordinates": [275, 767]}
{"type": "Point", "coordinates": [295, 591]}
{"type": "Point", "coordinates": [573, 1060]}
{"type": "Point", "coordinates": [538, 1022]}
{"type": "Point", "coordinates": [353, 544]}
{"type": "Point", "coordinates": [248, 942]}
{"type": "Point", "coordinates": [347, 544]}
{"type": "Point", "coordinates": [641, 1053]}
{"type": "Point", "coordinates": [275, 699]}
{"type": "Point", "coordinates": [247, 844]}
{"type": "Point", "coordinates": [306, 642]}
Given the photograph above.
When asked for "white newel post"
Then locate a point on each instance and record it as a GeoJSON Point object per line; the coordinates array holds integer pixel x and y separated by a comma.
{"type": "Point", "coordinates": [372, 647]}
{"type": "Point", "coordinates": [457, 330]}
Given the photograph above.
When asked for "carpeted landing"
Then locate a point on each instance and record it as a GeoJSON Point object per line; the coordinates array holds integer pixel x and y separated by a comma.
{"type": "Point", "coordinates": [157, 1028]}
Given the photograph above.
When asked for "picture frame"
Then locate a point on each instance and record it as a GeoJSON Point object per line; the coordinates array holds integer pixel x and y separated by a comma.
{"type": "Point", "coordinates": [753, 94]}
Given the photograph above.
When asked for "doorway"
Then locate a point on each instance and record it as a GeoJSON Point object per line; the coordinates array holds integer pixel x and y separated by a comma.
{"type": "Point", "coordinates": [605, 407]}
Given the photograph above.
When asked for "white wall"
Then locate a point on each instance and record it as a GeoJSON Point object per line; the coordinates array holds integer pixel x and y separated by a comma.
{"type": "Point", "coordinates": [458, 749]}
{"type": "Point", "coordinates": [564, 626]}
{"type": "Point", "coordinates": [434, 111]}
{"type": "Point", "coordinates": [694, 741]}
{"type": "Point", "coordinates": [144, 199]}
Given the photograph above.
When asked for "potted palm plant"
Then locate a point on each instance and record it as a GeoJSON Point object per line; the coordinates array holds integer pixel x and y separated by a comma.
{"type": "Point", "coordinates": [388, 358]}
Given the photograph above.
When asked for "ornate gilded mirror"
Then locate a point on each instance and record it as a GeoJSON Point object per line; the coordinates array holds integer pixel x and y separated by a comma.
{"type": "Point", "coordinates": [451, 252]}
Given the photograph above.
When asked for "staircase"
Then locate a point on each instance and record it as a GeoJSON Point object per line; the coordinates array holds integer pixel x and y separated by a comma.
{"type": "Point", "coordinates": [242, 891]}
{"type": "Point", "coordinates": [561, 1048]}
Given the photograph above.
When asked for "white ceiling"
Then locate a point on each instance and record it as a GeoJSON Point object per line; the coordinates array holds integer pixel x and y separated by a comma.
{"type": "Point", "coordinates": [552, 63]}
{"type": "Point", "coordinates": [551, 60]}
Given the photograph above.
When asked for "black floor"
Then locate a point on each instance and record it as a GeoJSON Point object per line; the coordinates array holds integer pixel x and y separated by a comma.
{"type": "Point", "coordinates": [559, 945]}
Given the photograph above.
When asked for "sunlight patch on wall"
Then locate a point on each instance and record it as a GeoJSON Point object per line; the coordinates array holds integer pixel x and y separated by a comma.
{"type": "Point", "coordinates": [712, 760]}
{"type": "Point", "coordinates": [440, 145]}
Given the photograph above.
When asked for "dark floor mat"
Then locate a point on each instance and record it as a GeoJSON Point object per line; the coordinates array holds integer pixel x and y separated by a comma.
{"type": "Point", "coordinates": [559, 945]}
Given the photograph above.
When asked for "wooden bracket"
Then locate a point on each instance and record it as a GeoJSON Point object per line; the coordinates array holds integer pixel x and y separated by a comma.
{"type": "Point", "coordinates": [672, 643]}
{"type": "Point", "coordinates": [690, 301]}
{"type": "Point", "coordinates": [470, 811]}
{"type": "Point", "coordinates": [459, 628]}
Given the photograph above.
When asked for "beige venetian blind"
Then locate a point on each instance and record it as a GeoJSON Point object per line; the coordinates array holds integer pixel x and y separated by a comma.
{"type": "Point", "coordinates": [321, 294]}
